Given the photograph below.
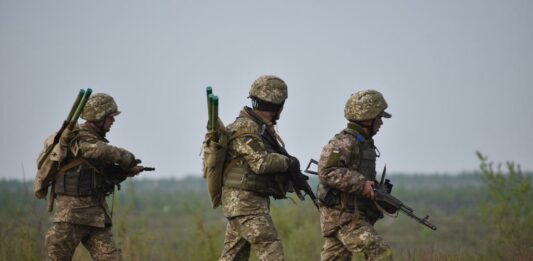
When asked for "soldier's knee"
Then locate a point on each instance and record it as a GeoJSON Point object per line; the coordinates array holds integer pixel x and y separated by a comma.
{"type": "Point", "coordinates": [270, 250]}
{"type": "Point", "coordinates": [105, 251]}
{"type": "Point", "coordinates": [59, 243]}
{"type": "Point", "coordinates": [264, 237]}
{"type": "Point", "coordinates": [381, 253]}
{"type": "Point", "coordinates": [336, 256]}
{"type": "Point", "coordinates": [259, 229]}
{"type": "Point", "coordinates": [113, 254]}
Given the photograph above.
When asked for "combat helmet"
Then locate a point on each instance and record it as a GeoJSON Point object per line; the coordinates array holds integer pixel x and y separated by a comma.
{"type": "Point", "coordinates": [269, 88]}
{"type": "Point", "coordinates": [99, 106]}
{"type": "Point", "coordinates": [365, 105]}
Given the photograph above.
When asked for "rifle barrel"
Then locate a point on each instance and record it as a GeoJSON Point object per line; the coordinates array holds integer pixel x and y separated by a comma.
{"type": "Point", "coordinates": [423, 221]}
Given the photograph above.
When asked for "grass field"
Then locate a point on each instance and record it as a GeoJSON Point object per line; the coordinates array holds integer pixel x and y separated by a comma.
{"type": "Point", "coordinates": [173, 220]}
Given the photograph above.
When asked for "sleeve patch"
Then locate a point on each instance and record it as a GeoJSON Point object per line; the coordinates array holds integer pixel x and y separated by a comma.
{"type": "Point", "coordinates": [333, 159]}
{"type": "Point", "coordinates": [252, 143]}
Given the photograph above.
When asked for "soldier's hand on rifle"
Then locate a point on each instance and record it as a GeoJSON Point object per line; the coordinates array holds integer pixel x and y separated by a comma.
{"type": "Point", "coordinates": [135, 170]}
{"type": "Point", "coordinates": [294, 165]}
{"type": "Point", "coordinates": [368, 189]}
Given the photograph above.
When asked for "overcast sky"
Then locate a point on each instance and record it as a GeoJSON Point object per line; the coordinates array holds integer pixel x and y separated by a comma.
{"type": "Point", "coordinates": [457, 75]}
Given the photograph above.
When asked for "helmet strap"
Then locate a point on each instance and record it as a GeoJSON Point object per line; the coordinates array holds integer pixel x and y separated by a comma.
{"type": "Point", "coordinates": [276, 117]}
{"type": "Point", "coordinates": [368, 125]}
{"type": "Point", "coordinates": [372, 125]}
{"type": "Point", "coordinates": [98, 127]}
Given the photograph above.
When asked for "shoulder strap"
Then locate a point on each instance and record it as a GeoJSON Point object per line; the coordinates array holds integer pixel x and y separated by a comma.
{"type": "Point", "coordinates": [356, 150]}
{"type": "Point", "coordinates": [72, 164]}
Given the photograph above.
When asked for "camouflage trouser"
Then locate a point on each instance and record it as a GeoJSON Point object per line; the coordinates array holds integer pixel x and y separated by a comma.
{"type": "Point", "coordinates": [256, 231]}
{"type": "Point", "coordinates": [356, 237]}
{"type": "Point", "coordinates": [63, 238]}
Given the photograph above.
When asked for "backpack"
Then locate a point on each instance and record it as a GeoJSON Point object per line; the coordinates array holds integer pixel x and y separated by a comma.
{"type": "Point", "coordinates": [50, 159]}
{"type": "Point", "coordinates": [49, 162]}
{"type": "Point", "coordinates": [215, 146]}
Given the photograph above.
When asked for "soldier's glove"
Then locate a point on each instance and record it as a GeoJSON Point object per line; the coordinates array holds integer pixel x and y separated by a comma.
{"type": "Point", "coordinates": [295, 163]}
{"type": "Point", "coordinates": [134, 170]}
{"type": "Point", "coordinates": [294, 166]}
{"type": "Point", "coordinates": [293, 171]}
{"type": "Point", "coordinates": [127, 160]}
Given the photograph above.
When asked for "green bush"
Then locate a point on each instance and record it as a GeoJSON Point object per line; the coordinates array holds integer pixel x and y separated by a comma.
{"type": "Point", "coordinates": [509, 209]}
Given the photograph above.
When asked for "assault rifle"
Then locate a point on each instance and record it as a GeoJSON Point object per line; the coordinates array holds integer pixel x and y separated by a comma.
{"type": "Point", "coordinates": [297, 179]}
{"type": "Point", "coordinates": [114, 174]}
{"type": "Point", "coordinates": [386, 201]}
{"type": "Point", "coordinates": [299, 183]}
{"type": "Point", "coordinates": [392, 205]}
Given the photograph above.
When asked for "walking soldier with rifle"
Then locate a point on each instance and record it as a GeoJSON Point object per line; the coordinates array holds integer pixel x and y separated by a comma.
{"type": "Point", "coordinates": [347, 170]}
{"type": "Point", "coordinates": [257, 167]}
{"type": "Point", "coordinates": [81, 169]}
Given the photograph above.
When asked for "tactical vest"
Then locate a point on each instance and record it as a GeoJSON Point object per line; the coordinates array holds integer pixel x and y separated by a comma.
{"type": "Point", "coordinates": [83, 181]}
{"type": "Point", "coordinates": [84, 178]}
{"type": "Point", "coordinates": [242, 177]}
{"type": "Point", "coordinates": [238, 175]}
{"type": "Point", "coordinates": [363, 159]}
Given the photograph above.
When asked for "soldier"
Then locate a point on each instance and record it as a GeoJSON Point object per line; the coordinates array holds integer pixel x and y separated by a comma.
{"type": "Point", "coordinates": [347, 170]}
{"type": "Point", "coordinates": [255, 169]}
{"type": "Point", "coordinates": [82, 213]}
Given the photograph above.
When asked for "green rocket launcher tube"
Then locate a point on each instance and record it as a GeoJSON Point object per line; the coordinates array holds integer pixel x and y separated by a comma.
{"type": "Point", "coordinates": [66, 124]}
{"type": "Point", "coordinates": [208, 92]}
{"type": "Point", "coordinates": [214, 110]}
{"type": "Point", "coordinates": [79, 110]}
{"type": "Point", "coordinates": [75, 105]}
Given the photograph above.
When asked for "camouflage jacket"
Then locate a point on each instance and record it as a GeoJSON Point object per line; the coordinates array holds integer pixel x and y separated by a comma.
{"type": "Point", "coordinates": [346, 163]}
{"type": "Point", "coordinates": [257, 156]}
{"type": "Point", "coordinates": [88, 143]}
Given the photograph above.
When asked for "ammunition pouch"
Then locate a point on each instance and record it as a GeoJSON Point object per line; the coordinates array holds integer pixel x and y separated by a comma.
{"type": "Point", "coordinates": [336, 199]}
{"type": "Point", "coordinates": [368, 207]}
{"type": "Point", "coordinates": [272, 184]}
{"type": "Point", "coordinates": [328, 196]}
{"type": "Point", "coordinates": [348, 202]}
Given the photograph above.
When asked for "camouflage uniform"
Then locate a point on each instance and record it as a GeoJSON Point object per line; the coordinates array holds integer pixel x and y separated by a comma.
{"type": "Point", "coordinates": [346, 163]}
{"type": "Point", "coordinates": [82, 214]}
{"type": "Point", "coordinates": [254, 171]}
